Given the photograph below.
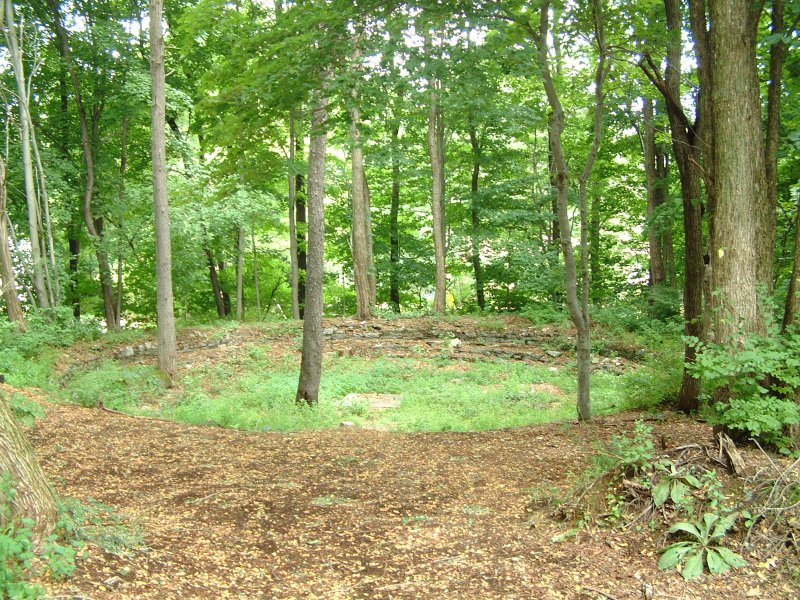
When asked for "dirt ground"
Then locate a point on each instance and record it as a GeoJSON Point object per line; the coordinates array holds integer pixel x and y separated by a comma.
{"type": "Point", "coordinates": [353, 513]}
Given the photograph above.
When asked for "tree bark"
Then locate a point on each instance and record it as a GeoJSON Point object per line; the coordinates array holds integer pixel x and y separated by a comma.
{"type": "Point", "coordinates": [167, 344]}
{"type": "Point", "coordinates": [394, 228]}
{"type": "Point", "coordinates": [8, 280]}
{"type": "Point", "coordinates": [255, 273]}
{"type": "Point", "coordinates": [657, 269]}
{"type": "Point", "coordinates": [240, 276]}
{"type": "Point", "coordinates": [777, 54]}
{"type": "Point", "coordinates": [34, 213]}
{"type": "Point", "coordinates": [311, 361]}
{"type": "Point", "coordinates": [215, 286]}
{"type": "Point", "coordinates": [436, 154]}
{"type": "Point", "coordinates": [361, 236]}
{"type": "Point", "coordinates": [737, 251]}
{"type": "Point", "coordinates": [34, 497]}
{"type": "Point", "coordinates": [293, 238]}
{"type": "Point", "coordinates": [300, 221]}
{"type": "Point", "coordinates": [477, 267]}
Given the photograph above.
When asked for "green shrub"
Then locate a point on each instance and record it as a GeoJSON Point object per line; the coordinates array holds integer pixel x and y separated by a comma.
{"type": "Point", "coordinates": [760, 375]}
{"type": "Point", "coordinates": [26, 410]}
{"type": "Point", "coordinates": [116, 386]}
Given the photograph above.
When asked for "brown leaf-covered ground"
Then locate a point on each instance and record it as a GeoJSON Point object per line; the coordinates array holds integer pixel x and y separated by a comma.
{"type": "Point", "coordinates": [354, 513]}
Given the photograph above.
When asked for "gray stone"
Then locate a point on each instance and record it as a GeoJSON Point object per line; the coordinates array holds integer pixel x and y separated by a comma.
{"type": "Point", "coordinates": [554, 353]}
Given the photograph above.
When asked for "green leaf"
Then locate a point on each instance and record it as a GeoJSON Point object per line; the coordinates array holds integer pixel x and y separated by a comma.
{"type": "Point", "coordinates": [693, 481]}
{"type": "Point", "coordinates": [661, 493]}
{"type": "Point", "coordinates": [731, 557]}
{"type": "Point", "coordinates": [686, 528]}
{"type": "Point", "coordinates": [677, 493]}
{"type": "Point", "coordinates": [694, 566]}
{"type": "Point", "coordinates": [716, 564]}
{"type": "Point", "coordinates": [674, 554]}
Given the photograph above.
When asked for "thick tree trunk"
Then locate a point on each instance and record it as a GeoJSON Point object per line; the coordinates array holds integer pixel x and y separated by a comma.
{"type": "Point", "coordinates": [293, 239]}
{"type": "Point", "coordinates": [791, 313]}
{"type": "Point", "coordinates": [738, 254]}
{"type": "Point", "coordinates": [167, 344]}
{"type": "Point", "coordinates": [394, 228]}
{"type": "Point", "coordinates": [34, 497]}
{"type": "Point", "coordinates": [34, 214]}
{"type": "Point", "coordinates": [477, 267]}
{"type": "Point", "coordinates": [311, 361]}
{"type": "Point", "coordinates": [227, 306]}
{"type": "Point", "coordinates": [436, 153]}
{"type": "Point", "coordinates": [8, 280]}
{"type": "Point", "coordinates": [361, 236]}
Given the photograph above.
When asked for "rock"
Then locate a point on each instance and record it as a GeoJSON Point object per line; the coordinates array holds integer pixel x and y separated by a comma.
{"type": "Point", "coordinates": [329, 331]}
{"type": "Point", "coordinates": [149, 346]}
{"type": "Point", "coordinates": [126, 352]}
{"type": "Point", "coordinates": [595, 360]}
{"type": "Point", "coordinates": [554, 353]}
{"type": "Point", "coordinates": [554, 369]}
{"type": "Point", "coordinates": [377, 326]}
{"type": "Point", "coordinates": [455, 343]}
{"type": "Point", "coordinates": [112, 582]}
{"type": "Point", "coordinates": [347, 424]}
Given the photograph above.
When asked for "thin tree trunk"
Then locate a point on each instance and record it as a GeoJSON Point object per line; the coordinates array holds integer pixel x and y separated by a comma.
{"type": "Point", "coordinates": [300, 221]}
{"type": "Point", "coordinates": [123, 167]}
{"type": "Point", "coordinates": [74, 262]}
{"type": "Point", "coordinates": [240, 276]}
{"type": "Point", "coordinates": [311, 361]}
{"type": "Point", "coordinates": [295, 274]}
{"type": "Point", "coordinates": [594, 249]}
{"type": "Point", "coordinates": [477, 268]}
{"type": "Point", "coordinates": [255, 272]}
{"type": "Point", "coordinates": [167, 343]}
{"type": "Point", "coordinates": [34, 497]}
{"type": "Point", "coordinates": [577, 303]}
{"type": "Point", "coordinates": [394, 229]}
{"type": "Point", "coordinates": [436, 154]}
{"type": "Point", "coordinates": [8, 279]}
{"type": "Point", "coordinates": [34, 215]}
{"type": "Point", "coordinates": [657, 270]}
{"type": "Point", "coordinates": [93, 225]}
{"type": "Point", "coordinates": [214, 277]}
{"type": "Point", "coordinates": [227, 307]}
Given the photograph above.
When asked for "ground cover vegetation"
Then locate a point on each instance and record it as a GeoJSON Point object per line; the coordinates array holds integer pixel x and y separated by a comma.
{"type": "Point", "coordinates": [361, 223]}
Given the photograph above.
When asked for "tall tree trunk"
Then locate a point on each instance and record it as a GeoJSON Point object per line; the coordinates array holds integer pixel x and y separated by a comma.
{"type": "Point", "coordinates": [361, 236]}
{"type": "Point", "coordinates": [436, 154]}
{"type": "Point", "coordinates": [214, 277]}
{"type": "Point", "coordinates": [227, 306]}
{"type": "Point", "coordinates": [255, 272]}
{"type": "Point", "coordinates": [311, 361]}
{"type": "Point", "coordinates": [577, 303]}
{"type": "Point", "coordinates": [661, 198]}
{"type": "Point", "coordinates": [93, 224]}
{"type": "Point", "coordinates": [300, 220]}
{"type": "Point", "coordinates": [34, 498]}
{"type": "Point", "coordinates": [123, 168]}
{"type": "Point", "coordinates": [167, 344]}
{"type": "Point", "coordinates": [657, 270]}
{"type": "Point", "coordinates": [74, 242]}
{"type": "Point", "coordinates": [777, 54]}
{"type": "Point", "coordinates": [791, 313]}
{"type": "Point", "coordinates": [685, 146]}
{"type": "Point", "coordinates": [394, 229]}
{"type": "Point", "coordinates": [475, 234]}
{"type": "Point", "coordinates": [240, 276]}
{"type": "Point", "coordinates": [34, 214]}
{"type": "Point", "coordinates": [738, 263]}
{"type": "Point", "coordinates": [594, 249]}
{"type": "Point", "coordinates": [293, 239]}
{"type": "Point", "coordinates": [8, 280]}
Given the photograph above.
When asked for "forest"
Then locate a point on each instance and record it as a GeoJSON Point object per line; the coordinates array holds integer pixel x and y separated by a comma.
{"type": "Point", "coordinates": [481, 299]}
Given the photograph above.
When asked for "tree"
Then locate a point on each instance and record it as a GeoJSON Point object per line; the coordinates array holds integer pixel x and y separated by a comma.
{"type": "Point", "coordinates": [34, 497]}
{"type": "Point", "coordinates": [738, 170]}
{"type": "Point", "coordinates": [311, 360]}
{"type": "Point", "coordinates": [34, 213]}
{"type": "Point", "coordinates": [8, 279]}
{"type": "Point", "coordinates": [167, 345]}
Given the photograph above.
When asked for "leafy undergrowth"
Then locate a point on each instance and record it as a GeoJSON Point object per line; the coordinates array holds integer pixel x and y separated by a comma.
{"type": "Point", "coordinates": [250, 381]}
